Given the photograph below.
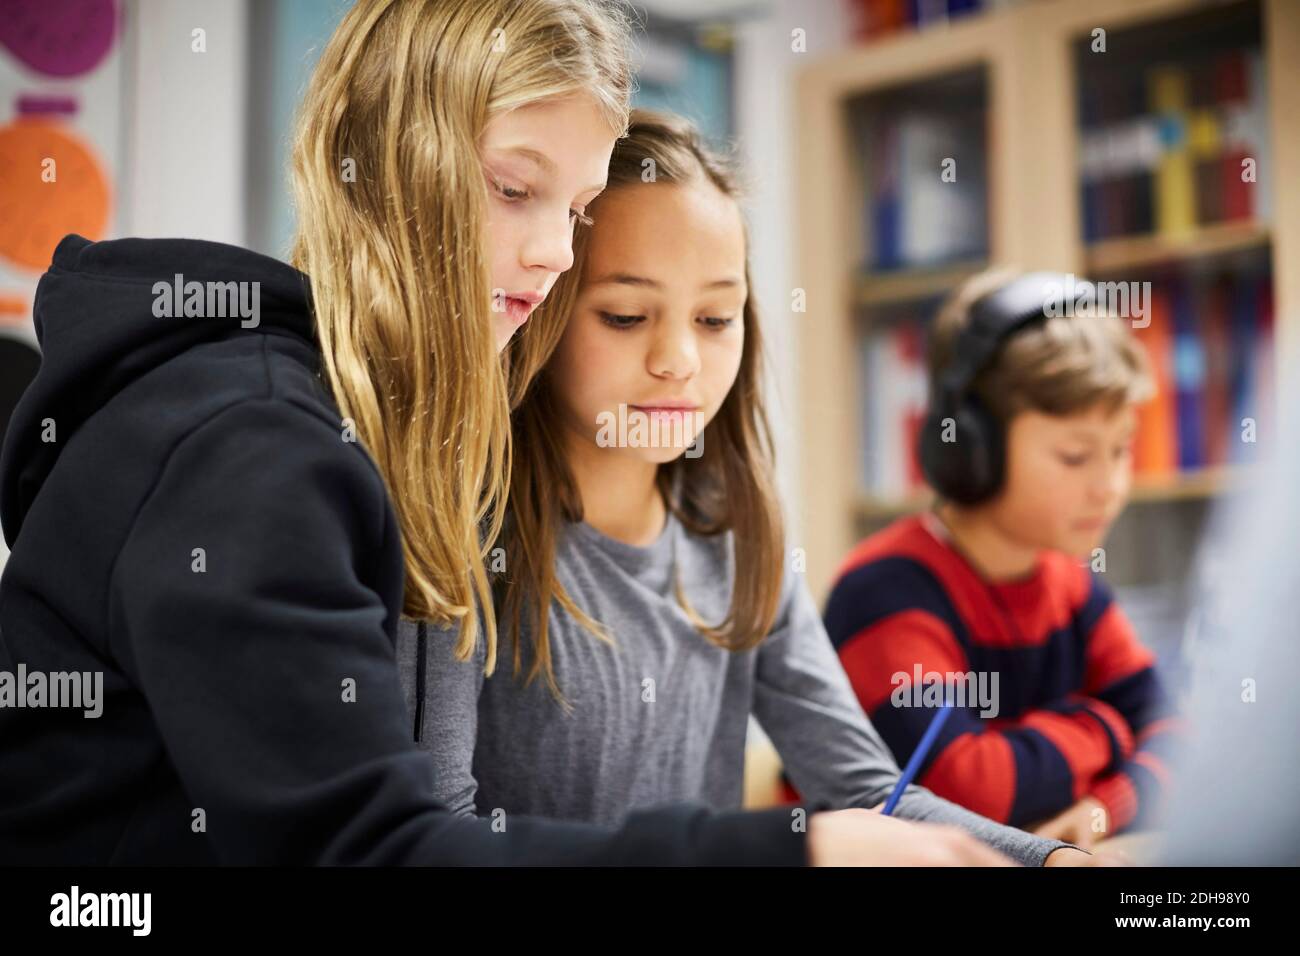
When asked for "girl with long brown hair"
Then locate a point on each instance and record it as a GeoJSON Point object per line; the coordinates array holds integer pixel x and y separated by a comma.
{"type": "Point", "coordinates": [643, 581]}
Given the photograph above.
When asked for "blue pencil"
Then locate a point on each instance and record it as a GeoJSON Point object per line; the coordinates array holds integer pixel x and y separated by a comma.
{"type": "Point", "coordinates": [918, 755]}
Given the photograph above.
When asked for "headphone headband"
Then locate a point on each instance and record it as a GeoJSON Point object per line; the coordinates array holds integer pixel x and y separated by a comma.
{"type": "Point", "coordinates": [1000, 314]}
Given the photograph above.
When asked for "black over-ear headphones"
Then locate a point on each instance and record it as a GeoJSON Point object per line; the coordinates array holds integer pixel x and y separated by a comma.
{"type": "Point", "coordinates": [971, 466]}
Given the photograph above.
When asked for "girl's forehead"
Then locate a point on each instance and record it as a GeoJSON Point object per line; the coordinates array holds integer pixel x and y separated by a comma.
{"type": "Point", "coordinates": [692, 225]}
{"type": "Point", "coordinates": [561, 138]}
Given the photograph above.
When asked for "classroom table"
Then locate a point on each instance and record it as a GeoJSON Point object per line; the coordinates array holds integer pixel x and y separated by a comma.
{"type": "Point", "coordinates": [1142, 849]}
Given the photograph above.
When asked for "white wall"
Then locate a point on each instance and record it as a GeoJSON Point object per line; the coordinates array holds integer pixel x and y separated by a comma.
{"type": "Point", "coordinates": [183, 124]}
{"type": "Point", "coordinates": [765, 76]}
{"type": "Point", "coordinates": [185, 144]}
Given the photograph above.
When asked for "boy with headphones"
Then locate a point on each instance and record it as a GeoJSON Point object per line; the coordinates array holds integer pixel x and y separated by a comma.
{"type": "Point", "coordinates": [1027, 446]}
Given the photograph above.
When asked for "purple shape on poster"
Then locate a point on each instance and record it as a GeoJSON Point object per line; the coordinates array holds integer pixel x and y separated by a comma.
{"type": "Point", "coordinates": [43, 105]}
{"type": "Point", "coordinates": [59, 37]}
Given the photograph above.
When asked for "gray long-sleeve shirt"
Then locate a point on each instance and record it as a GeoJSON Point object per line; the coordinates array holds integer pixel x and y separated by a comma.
{"type": "Point", "coordinates": [662, 715]}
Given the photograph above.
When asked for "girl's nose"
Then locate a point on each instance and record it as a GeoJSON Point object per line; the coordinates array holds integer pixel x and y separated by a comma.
{"type": "Point", "coordinates": [550, 244]}
{"type": "Point", "coordinates": [674, 353]}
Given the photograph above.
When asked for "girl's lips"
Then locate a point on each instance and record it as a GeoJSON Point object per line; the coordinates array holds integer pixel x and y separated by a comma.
{"type": "Point", "coordinates": [519, 310]}
{"type": "Point", "coordinates": [660, 411]}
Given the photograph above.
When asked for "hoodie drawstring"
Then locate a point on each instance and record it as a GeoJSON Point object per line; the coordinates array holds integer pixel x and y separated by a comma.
{"type": "Point", "coordinates": [421, 664]}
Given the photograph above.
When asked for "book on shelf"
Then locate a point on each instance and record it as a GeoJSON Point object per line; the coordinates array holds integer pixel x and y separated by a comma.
{"type": "Point", "coordinates": [926, 203]}
{"type": "Point", "coordinates": [871, 19]}
{"type": "Point", "coordinates": [1210, 348]}
{"type": "Point", "coordinates": [1155, 450]}
{"type": "Point", "coordinates": [892, 405]}
{"type": "Point", "coordinates": [1189, 379]}
{"type": "Point", "coordinates": [1175, 146]}
{"type": "Point", "coordinates": [1174, 192]}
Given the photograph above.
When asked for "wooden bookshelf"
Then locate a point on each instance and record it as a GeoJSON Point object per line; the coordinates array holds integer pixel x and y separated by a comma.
{"type": "Point", "coordinates": [1034, 221]}
{"type": "Point", "coordinates": [1132, 252]}
{"type": "Point", "coordinates": [908, 285]}
{"type": "Point", "coordinates": [876, 508]}
{"type": "Point", "coordinates": [1178, 486]}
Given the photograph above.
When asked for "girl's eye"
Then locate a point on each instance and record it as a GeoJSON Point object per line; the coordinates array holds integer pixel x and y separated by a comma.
{"type": "Point", "coordinates": [620, 321]}
{"type": "Point", "coordinates": [716, 322]}
{"type": "Point", "coordinates": [509, 192]}
{"type": "Point", "coordinates": [1073, 461]}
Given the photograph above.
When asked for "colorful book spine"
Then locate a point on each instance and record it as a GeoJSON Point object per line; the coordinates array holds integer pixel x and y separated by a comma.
{"type": "Point", "coordinates": [1189, 379]}
{"type": "Point", "coordinates": [1217, 337]}
{"type": "Point", "coordinates": [1155, 451]}
{"type": "Point", "coordinates": [1242, 364]}
{"type": "Point", "coordinates": [1207, 148]}
{"type": "Point", "coordinates": [895, 399]}
{"type": "Point", "coordinates": [912, 348]}
{"type": "Point", "coordinates": [1174, 191]}
{"type": "Point", "coordinates": [885, 233]}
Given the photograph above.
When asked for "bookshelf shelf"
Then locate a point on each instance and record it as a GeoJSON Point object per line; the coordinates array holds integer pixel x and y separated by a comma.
{"type": "Point", "coordinates": [1179, 486]}
{"type": "Point", "coordinates": [909, 285]}
{"type": "Point", "coordinates": [1201, 483]}
{"type": "Point", "coordinates": [875, 508]}
{"type": "Point", "coordinates": [1131, 252]}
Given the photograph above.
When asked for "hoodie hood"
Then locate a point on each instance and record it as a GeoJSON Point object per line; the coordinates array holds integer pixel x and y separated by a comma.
{"type": "Point", "coordinates": [107, 313]}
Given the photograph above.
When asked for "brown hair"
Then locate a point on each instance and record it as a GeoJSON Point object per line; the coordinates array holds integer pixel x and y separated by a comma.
{"type": "Point", "coordinates": [730, 487]}
{"type": "Point", "coordinates": [403, 91]}
{"type": "Point", "coordinates": [1059, 366]}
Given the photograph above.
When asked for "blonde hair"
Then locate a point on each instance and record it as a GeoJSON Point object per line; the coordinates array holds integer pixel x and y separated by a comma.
{"type": "Point", "coordinates": [396, 253]}
{"type": "Point", "coordinates": [729, 488]}
{"type": "Point", "coordinates": [1059, 366]}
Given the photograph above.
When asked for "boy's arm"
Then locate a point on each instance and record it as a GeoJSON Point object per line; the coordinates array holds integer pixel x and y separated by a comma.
{"type": "Point", "coordinates": [1121, 679]}
{"type": "Point", "coordinates": [1017, 771]}
{"type": "Point", "coordinates": [890, 619]}
{"type": "Point", "coordinates": [803, 701]}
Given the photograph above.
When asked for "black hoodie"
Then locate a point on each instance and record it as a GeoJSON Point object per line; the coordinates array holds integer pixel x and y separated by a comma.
{"type": "Point", "coordinates": [188, 519]}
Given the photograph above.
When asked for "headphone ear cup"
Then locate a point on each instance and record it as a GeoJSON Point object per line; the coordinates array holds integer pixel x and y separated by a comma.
{"type": "Point", "coordinates": [931, 451]}
{"type": "Point", "coordinates": [968, 468]}
{"type": "Point", "coordinates": [943, 453]}
{"type": "Point", "coordinates": [987, 454]}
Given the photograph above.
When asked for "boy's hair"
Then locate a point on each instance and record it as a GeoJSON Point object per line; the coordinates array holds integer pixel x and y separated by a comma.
{"type": "Point", "coordinates": [1059, 366]}
{"type": "Point", "coordinates": [729, 488]}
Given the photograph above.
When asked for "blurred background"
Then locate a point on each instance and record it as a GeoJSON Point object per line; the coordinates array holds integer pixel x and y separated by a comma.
{"type": "Point", "coordinates": [1106, 138]}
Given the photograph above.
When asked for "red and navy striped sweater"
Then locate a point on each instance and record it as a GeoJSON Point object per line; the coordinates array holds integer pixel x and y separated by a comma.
{"type": "Point", "coordinates": [1081, 710]}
